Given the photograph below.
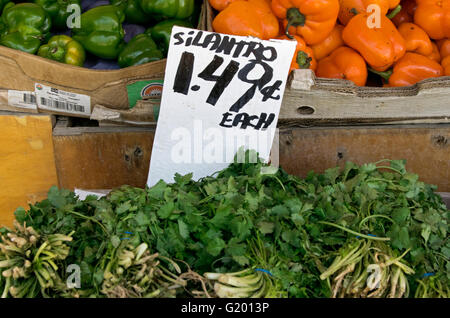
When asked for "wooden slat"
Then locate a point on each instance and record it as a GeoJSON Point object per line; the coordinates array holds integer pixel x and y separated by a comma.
{"type": "Point", "coordinates": [426, 149]}
{"type": "Point", "coordinates": [27, 165]}
{"type": "Point", "coordinates": [89, 159]}
{"type": "Point", "coordinates": [325, 101]}
{"type": "Point", "coordinates": [102, 158]}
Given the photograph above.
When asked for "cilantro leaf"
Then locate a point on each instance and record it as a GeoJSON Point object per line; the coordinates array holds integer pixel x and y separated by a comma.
{"type": "Point", "coordinates": [215, 246]}
{"type": "Point", "coordinates": [166, 210]}
{"type": "Point", "coordinates": [183, 228]}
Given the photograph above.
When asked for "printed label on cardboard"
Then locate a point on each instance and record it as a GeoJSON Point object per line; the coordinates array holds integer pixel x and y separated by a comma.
{"type": "Point", "coordinates": [22, 99]}
{"type": "Point", "coordinates": [54, 99]}
{"type": "Point", "coordinates": [144, 89]}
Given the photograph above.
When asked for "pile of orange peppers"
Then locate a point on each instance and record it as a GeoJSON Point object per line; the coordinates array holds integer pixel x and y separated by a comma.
{"type": "Point", "coordinates": [402, 41]}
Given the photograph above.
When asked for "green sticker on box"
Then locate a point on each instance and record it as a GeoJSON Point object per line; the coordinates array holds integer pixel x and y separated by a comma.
{"type": "Point", "coordinates": [148, 89]}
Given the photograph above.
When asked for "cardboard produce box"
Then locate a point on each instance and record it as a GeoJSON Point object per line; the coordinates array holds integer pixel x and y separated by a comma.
{"type": "Point", "coordinates": [23, 74]}
{"type": "Point", "coordinates": [29, 83]}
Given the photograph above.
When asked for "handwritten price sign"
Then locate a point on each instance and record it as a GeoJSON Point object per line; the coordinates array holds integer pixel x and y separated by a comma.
{"type": "Point", "coordinates": [220, 93]}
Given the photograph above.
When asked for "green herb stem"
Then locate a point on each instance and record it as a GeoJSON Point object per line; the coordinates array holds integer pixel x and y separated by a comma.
{"type": "Point", "coordinates": [375, 238]}
{"type": "Point", "coordinates": [90, 219]}
{"type": "Point", "coordinates": [374, 216]}
{"type": "Point", "coordinates": [394, 12]}
{"type": "Point", "coordinates": [390, 168]}
{"type": "Point", "coordinates": [7, 286]}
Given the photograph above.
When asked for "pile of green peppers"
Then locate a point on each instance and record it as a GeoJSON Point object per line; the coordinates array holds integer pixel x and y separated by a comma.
{"type": "Point", "coordinates": [40, 27]}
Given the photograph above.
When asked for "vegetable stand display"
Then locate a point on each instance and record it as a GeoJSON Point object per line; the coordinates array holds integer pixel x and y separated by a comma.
{"type": "Point", "coordinates": [112, 156]}
{"type": "Point", "coordinates": [405, 237]}
{"type": "Point", "coordinates": [357, 208]}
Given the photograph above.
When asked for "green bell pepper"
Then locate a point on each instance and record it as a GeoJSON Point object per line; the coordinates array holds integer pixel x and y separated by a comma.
{"type": "Point", "coordinates": [141, 49]}
{"type": "Point", "coordinates": [161, 32]}
{"type": "Point", "coordinates": [133, 11]}
{"type": "Point", "coordinates": [176, 9]}
{"type": "Point", "coordinates": [2, 4]}
{"type": "Point", "coordinates": [101, 32]}
{"type": "Point", "coordinates": [24, 26]}
{"type": "Point", "coordinates": [57, 10]}
{"type": "Point", "coordinates": [64, 49]}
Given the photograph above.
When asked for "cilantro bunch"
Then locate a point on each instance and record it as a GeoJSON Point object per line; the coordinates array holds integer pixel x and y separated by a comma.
{"type": "Point", "coordinates": [253, 216]}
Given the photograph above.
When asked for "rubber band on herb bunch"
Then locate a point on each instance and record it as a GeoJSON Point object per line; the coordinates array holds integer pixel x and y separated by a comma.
{"type": "Point", "coordinates": [264, 271]}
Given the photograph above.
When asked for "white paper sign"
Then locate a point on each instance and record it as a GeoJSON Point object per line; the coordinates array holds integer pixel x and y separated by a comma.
{"type": "Point", "coordinates": [82, 194]}
{"type": "Point", "coordinates": [220, 93]}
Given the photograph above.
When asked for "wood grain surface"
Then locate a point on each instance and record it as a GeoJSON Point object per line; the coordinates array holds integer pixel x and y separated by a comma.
{"type": "Point", "coordinates": [106, 157]}
{"type": "Point", "coordinates": [102, 158]}
{"type": "Point", "coordinates": [425, 147]}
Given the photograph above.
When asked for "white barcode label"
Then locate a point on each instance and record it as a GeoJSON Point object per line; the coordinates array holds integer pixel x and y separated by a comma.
{"type": "Point", "coordinates": [54, 99]}
{"type": "Point", "coordinates": [61, 105]}
{"type": "Point", "coordinates": [22, 99]}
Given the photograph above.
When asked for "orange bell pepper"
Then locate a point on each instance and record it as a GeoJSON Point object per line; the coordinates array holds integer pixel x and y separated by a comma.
{"type": "Point", "coordinates": [220, 5]}
{"type": "Point", "coordinates": [303, 56]}
{"type": "Point", "coordinates": [344, 63]}
{"type": "Point", "coordinates": [349, 8]}
{"type": "Point", "coordinates": [444, 47]}
{"type": "Point", "coordinates": [313, 20]}
{"type": "Point", "coordinates": [331, 43]}
{"type": "Point", "coordinates": [410, 69]}
{"type": "Point", "coordinates": [435, 55]}
{"type": "Point", "coordinates": [406, 14]}
{"type": "Point", "coordinates": [416, 39]}
{"type": "Point", "coordinates": [247, 18]}
{"type": "Point", "coordinates": [446, 65]}
{"type": "Point", "coordinates": [381, 47]}
{"type": "Point", "coordinates": [434, 17]}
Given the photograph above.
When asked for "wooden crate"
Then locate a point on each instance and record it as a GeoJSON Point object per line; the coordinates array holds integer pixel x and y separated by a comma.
{"type": "Point", "coordinates": [27, 165]}
{"type": "Point", "coordinates": [312, 101]}
{"type": "Point", "coordinates": [106, 157]}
